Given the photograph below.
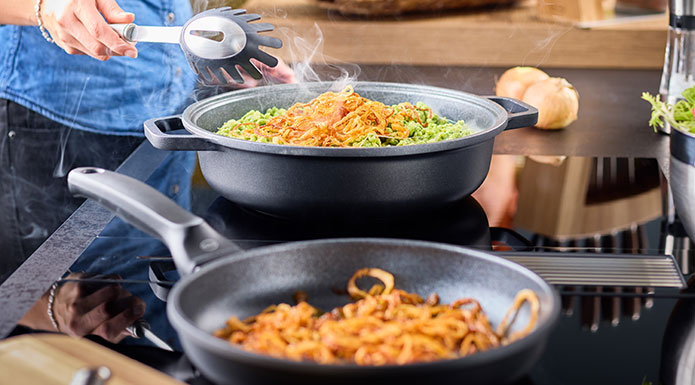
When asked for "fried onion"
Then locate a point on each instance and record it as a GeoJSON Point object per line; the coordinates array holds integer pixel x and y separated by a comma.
{"type": "Point", "coordinates": [336, 119]}
{"type": "Point", "coordinates": [383, 326]}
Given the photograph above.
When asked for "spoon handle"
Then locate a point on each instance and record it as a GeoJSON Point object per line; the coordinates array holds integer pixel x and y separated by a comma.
{"type": "Point", "coordinates": [136, 33]}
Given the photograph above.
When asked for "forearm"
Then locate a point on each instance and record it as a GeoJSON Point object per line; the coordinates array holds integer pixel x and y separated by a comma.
{"type": "Point", "coordinates": [17, 12]}
{"type": "Point", "coordinates": [37, 316]}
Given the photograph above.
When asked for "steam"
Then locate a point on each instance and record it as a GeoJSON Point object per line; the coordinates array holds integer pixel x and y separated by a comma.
{"type": "Point", "coordinates": [306, 52]}
{"type": "Point", "coordinates": [62, 168]}
{"type": "Point", "coordinates": [542, 47]}
{"type": "Point", "coordinates": [302, 53]}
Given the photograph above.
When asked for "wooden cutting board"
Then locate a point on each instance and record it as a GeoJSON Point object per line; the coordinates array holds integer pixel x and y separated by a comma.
{"type": "Point", "coordinates": [38, 359]}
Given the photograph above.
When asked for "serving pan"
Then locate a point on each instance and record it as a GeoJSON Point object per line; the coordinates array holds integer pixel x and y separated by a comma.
{"type": "Point", "coordinates": [219, 281]}
{"type": "Point", "coordinates": [682, 177]}
{"type": "Point", "coordinates": [327, 181]}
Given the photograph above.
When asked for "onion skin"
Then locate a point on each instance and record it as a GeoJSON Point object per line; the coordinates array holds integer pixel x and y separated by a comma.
{"type": "Point", "coordinates": [557, 102]}
{"type": "Point", "coordinates": [514, 81]}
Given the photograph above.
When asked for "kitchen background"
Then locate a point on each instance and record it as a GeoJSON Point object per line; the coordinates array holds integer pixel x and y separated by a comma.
{"type": "Point", "coordinates": [598, 186]}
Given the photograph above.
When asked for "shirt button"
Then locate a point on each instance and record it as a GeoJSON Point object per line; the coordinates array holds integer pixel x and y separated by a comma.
{"type": "Point", "coordinates": [11, 134]}
{"type": "Point", "coordinates": [171, 17]}
{"type": "Point", "coordinates": [178, 72]}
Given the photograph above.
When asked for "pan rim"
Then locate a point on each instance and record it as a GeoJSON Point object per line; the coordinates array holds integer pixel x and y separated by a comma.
{"type": "Point", "coordinates": [197, 109]}
{"type": "Point", "coordinates": [185, 326]}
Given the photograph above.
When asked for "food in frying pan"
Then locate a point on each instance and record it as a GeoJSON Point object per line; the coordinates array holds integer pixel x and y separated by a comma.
{"type": "Point", "coordinates": [345, 119]}
{"type": "Point", "coordinates": [384, 326]}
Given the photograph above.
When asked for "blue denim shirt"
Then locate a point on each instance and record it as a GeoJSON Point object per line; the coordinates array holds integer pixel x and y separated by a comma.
{"type": "Point", "coordinates": [113, 97]}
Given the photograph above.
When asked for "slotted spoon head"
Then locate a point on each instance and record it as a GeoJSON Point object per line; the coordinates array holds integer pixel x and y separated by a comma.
{"type": "Point", "coordinates": [218, 41]}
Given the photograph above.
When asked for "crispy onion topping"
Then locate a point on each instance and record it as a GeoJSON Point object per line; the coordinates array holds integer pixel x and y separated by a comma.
{"type": "Point", "coordinates": [383, 326]}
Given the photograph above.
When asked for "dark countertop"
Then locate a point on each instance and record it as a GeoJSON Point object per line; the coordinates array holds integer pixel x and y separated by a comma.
{"type": "Point", "coordinates": [612, 120]}
{"type": "Point", "coordinates": [50, 261]}
{"type": "Point", "coordinates": [612, 123]}
{"type": "Point", "coordinates": [612, 116]}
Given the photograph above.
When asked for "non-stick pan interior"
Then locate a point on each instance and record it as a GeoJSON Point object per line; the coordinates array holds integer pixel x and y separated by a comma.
{"type": "Point", "coordinates": [478, 113]}
{"type": "Point", "coordinates": [244, 287]}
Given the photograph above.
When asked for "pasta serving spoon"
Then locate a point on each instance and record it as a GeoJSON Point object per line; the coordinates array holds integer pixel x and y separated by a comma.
{"type": "Point", "coordinates": [216, 43]}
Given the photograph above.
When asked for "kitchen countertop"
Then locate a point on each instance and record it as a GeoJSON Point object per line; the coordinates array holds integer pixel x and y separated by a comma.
{"type": "Point", "coordinates": [612, 119]}
{"type": "Point", "coordinates": [612, 123]}
{"type": "Point", "coordinates": [48, 263]}
{"type": "Point", "coordinates": [492, 36]}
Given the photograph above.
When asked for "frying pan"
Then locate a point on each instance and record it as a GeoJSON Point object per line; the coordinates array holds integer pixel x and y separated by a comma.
{"type": "Point", "coordinates": [327, 181]}
{"type": "Point", "coordinates": [219, 281]}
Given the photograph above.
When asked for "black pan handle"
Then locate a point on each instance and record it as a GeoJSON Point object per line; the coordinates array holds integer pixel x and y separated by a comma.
{"type": "Point", "coordinates": [519, 114]}
{"type": "Point", "coordinates": [160, 132]}
{"type": "Point", "coordinates": [190, 239]}
{"type": "Point", "coordinates": [510, 238]}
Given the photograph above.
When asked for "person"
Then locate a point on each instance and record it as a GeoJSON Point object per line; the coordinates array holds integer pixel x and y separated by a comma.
{"type": "Point", "coordinates": [74, 93]}
{"type": "Point", "coordinates": [498, 194]}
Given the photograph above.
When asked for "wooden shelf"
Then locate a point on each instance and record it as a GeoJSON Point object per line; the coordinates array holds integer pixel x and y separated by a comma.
{"type": "Point", "coordinates": [552, 202]}
{"type": "Point", "coordinates": [491, 37]}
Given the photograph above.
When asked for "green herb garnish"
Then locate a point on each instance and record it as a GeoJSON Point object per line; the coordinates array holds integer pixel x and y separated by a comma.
{"type": "Point", "coordinates": [679, 115]}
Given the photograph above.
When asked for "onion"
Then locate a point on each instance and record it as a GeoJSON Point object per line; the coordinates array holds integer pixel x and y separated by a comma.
{"type": "Point", "coordinates": [556, 100]}
{"type": "Point", "coordinates": [514, 81]}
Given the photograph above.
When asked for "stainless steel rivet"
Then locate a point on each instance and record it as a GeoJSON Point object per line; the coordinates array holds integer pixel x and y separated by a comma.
{"type": "Point", "coordinates": [171, 17]}
{"type": "Point", "coordinates": [91, 376]}
{"type": "Point", "coordinates": [209, 245]}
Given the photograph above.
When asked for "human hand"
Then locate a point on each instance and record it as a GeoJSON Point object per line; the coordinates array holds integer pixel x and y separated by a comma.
{"type": "Point", "coordinates": [81, 27]}
{"type": "Point", "coordinates": [84, 308]}
{"type": "Point", "coordinates": [281, 73]}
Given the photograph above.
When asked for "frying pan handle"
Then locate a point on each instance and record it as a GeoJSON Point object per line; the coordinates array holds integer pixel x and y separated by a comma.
{"type": "Point", "coordinates": [158, 130]}
{"type": "Point", "coordinates": [519, 114]}
{"type": "Point", "coordinates": [510, 238]}
{"type": "Point", "coordinates": [190, 239]}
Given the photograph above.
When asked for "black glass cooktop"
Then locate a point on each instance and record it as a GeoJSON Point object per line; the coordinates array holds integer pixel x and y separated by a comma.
{"type": "Point", "coordinates": [605, 335]}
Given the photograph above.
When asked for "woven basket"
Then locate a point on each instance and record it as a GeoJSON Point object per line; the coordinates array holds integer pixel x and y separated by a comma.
{"type": "Point", "coordinates": [397, 7]}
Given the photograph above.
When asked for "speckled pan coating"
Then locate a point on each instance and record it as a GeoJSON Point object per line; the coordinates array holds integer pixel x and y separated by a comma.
{"type": "Point", "coordinates": [246, 283]}
{"type": "Point", "coordinates": [220, 281]}
{"type": "Point", "coordinates": [682, 177]}
{"type": "Point", "coordinates": [288, 180]}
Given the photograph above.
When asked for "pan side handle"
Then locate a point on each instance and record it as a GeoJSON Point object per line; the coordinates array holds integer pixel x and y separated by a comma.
{"type": "Point", "coordinates": [519, 114]}
{"type": "Point", "coordinates": [510, 238]}
{"type": "Point", "coordinates": [190, 239]}
{"type": "Point", "coordinates": [161, 133]}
